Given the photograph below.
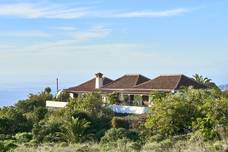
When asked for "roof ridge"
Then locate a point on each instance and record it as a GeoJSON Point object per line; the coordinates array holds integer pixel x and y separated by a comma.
{"type": "Point", "coordinates": [144, 77]}
{"type": "Point", "coordinates": [134, 80]}
{"type": "Point", "coordinates": [178, 82]}
{"type": "Point", "coordinates": [136, 74]}
{"type": "Point", "coordinates": [144, 83]}
{"type": "Point", "coordinates": [113, 81]}
{"type": "Point", "coordinates": [121, 78]}
{"type": "Point", "coordinates": [171, 75]}
{"type": "Point", "coordinates": [137, 80]}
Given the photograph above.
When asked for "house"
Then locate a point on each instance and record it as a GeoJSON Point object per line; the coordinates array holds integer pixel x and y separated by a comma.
{"type": "Point", "coordinates": [132, 89]}
{"type": "Point", "coordinates": [129, 86]}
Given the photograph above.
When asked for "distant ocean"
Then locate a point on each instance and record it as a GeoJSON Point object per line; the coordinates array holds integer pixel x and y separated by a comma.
{"type": "Point", "coordinates": [10, 94]}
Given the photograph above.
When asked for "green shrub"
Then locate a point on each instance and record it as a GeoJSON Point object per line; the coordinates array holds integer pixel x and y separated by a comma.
{"type": "Point", "coordinates": [120, 122]}
{"type": "Point", "coordinates": [37, 114]}
{"type": "Point", "coordinates": [113, 98]}
{"type": "Point", "coordinates": [206, 127]}
{"type": "Point", "coordinates": [187, 111]}
{"type": "Point", "coordinates": [23, 137]}
{"type": "Point", "coordinates": [90, 103]}
{"type": "Point", "coordinates": [33, 101]}
{"type": "Point", "coordinates": [113, 135]}
{"type": "Point", "coordinates": [48, 132]}
{"type": "Point", "coordinates": [137, 100]}
{"type": "Point", "coordinates": [129, 121]}
{"type": "Point", "coordinates": [7, 145]}
{"type": "Point", "coordinates": [5, 137]}
{"type": "Point", "coordinates": [63, 96]}
{"type": "Point", "coordinates": [90, 108]}
{"type": "Point", "coordinates": [13, 121]}
{"type": "Point", "coordinates": [76, 130]}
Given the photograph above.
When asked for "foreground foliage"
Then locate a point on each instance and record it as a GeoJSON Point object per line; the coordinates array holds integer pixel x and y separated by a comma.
{"type": "Point", "coordinates": [189, 120]}
{"type": "Point", "coordinates": [189, 111]}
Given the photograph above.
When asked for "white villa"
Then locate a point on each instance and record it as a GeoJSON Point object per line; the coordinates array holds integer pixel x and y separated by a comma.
{"type": "Point", "coordinates": [129, 89]}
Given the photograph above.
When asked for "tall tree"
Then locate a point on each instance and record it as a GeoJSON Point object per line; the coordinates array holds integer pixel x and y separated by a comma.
{"type": "Point", "coordinates": [201, 79]}
{"type": "Point", "coordinates": [206, 81]}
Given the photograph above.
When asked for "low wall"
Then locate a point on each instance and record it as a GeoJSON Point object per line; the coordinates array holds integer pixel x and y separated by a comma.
{"type": "Point", "coordinates": [115, 108]}
{"type": "Point", "coordinates": [129, 109]}
{"type": "Point", "coordinates": [55, 104]}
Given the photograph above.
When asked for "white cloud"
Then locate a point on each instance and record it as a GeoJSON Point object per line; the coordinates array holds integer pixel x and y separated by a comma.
{"type": "Point", "coordinates": [36, 11]}
{"type": "Point", "coordinates": [53, 11]}
{"type": "Point", "coordinates": [32, 33]}
{"type": "Point", "coordinates": [164, 13]}
{"type": "Point", "coordinates": [65, 28]}
{"type": "Point", "coordinates": [66, 35]}
{"type": "Point", "coordinates": [93, 33]}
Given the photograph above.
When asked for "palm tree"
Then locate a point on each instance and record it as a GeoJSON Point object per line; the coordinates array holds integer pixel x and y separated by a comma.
{"type": "Point", "coordinates": [201, 79]}
{"type": "Point", "coordinates": [76, 130]}
{"type": "Point", "coordinates": [206, 81]}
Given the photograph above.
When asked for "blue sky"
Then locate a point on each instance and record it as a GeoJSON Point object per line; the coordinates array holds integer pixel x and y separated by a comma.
{"type": "Point", "coordinates": [72, 40]}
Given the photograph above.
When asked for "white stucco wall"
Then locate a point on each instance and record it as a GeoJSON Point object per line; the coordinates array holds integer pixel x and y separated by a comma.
{"type": "Point", "coordinates": [129, 109]}
{"type": "Point", "coordinates": [55, 104]}
{"type": "Point", "coordinates": [115, 108]}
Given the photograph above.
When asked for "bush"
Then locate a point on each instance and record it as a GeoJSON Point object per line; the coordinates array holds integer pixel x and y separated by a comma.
{"type": "Point", "coordinates": [48, 132]}
{"type": "Point", "coordinates": [33, 101]}
{"type": "Point", "coordinates": [23, 137]}
{"type": "Point", "coordinates": [37, 114]}
{"type": "Point", "coordinates": [90, 108]}
{"type": "Point", "coordinates": [7, 145]}
{"type": "Point", "coordinates": [187, 111]}
{"type": "Point", "coordinates": [118, 122]}
{"type": "Point", "coordinates": [76, 130]}
{"type": "Point", "coordinates": [63, 96]}
{"type": "Point", "coordinates": [129, 121]}
{"type": "Point", "coordinates": [113, 98]}
{"type": "Point", "coordinates": [114, 134]}
{"type": "Point", "coordinates": [5, 137]}
{"type": "Point", "coordinates": [171, 116]}
{"type": "Point", "coordinates": [137, 100]}
{"type": "Point", "coordinates": [13, 121]}
{"type": "Point", "coordinates": [90, 103]}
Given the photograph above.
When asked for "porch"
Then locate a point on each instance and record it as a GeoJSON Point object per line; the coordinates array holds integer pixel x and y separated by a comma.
{"type": "Point", "coordinates": [127, 99]}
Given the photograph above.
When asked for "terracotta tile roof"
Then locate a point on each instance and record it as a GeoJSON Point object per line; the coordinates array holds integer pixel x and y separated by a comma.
{"type": "Point", "coordinates": [126, 81]}
{"type": "Point", "coordinates": [88, 86]}
{"type": "Point", "coordinates": [169, 82]}
{"type": "Point", "coordinates": [139, 84]}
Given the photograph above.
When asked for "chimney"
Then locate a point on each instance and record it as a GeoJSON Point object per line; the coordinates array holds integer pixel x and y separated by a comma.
{"type": "Point", "coordinates": [99, 80]}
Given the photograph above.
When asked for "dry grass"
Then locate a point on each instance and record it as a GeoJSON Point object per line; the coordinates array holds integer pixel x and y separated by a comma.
{"type": "Point", "coordinates": [164, 146]}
